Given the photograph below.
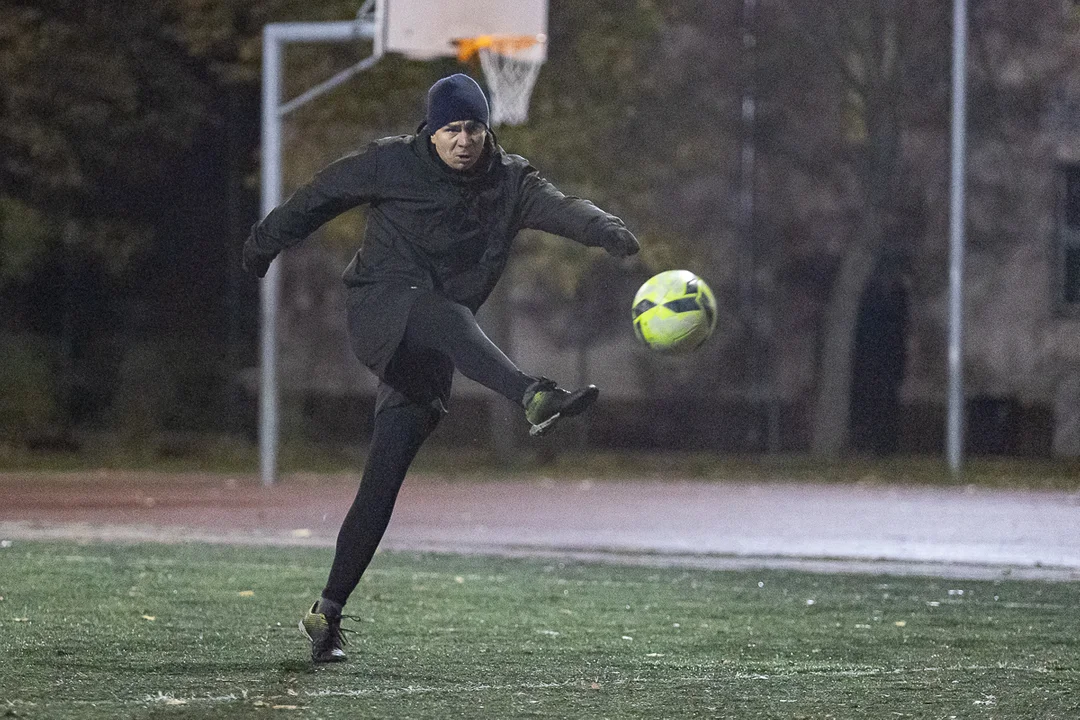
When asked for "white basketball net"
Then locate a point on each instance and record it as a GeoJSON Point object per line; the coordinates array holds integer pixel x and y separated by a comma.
{"type": "Point", "coordinates": [510, 74]}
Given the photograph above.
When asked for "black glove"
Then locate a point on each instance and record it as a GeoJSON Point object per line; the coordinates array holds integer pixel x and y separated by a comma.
{"type": "Point", "coordinates": [254, 261]}
{"type": "Point", "coordinates": [620, 242]}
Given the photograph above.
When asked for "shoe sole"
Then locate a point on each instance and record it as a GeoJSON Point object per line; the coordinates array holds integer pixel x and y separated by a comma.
{"type": "Point", "coordinates": [576, 406]}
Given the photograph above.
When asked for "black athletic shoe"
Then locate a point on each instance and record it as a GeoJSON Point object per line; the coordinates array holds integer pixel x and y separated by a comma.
{"type": "Point", "coordinates": [325, 635]}
{"type": "Point", "coordinates": [545, 402]}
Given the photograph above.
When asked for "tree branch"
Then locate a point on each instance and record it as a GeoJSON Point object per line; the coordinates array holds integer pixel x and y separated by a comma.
{"type": "Point", "coordinates": [829, 51]}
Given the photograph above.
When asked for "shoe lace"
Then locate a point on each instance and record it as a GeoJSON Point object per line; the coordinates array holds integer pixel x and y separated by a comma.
{"type": "Point", "coordinates": [543, 383]}
{"type": "Point", "coordinates": [335, 631]}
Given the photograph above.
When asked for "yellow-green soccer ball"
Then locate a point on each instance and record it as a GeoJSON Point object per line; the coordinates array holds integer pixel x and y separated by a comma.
{"type": "Point", "coordinates": [674, 312]}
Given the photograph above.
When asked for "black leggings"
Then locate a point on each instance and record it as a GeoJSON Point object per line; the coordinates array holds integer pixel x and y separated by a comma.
{"type": "Point", "coordinates": [438, 324]}
{"type": "Point", "coordinates": [399, 432]}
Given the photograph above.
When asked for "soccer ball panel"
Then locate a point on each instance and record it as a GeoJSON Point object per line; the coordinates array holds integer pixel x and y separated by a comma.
{"type": "Point", "coordinates": [674, 312]}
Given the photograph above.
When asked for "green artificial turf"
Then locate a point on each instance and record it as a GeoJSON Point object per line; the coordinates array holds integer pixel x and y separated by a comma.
{"type": "Point", "coordinates": [196, 631]}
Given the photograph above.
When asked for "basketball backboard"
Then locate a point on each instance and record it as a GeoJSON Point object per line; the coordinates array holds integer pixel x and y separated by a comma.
{"type": "Point", "coordinates": [426, 29]}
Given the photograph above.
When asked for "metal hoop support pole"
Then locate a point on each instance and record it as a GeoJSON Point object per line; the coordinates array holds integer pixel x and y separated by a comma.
{"type": "Point", "coordinates": [955, 430]}
{"type": "Point", "coordinates": [276, 37]}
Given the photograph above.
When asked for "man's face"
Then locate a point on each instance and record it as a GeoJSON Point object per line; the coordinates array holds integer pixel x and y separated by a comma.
{"type": "Point", "coordinates": [460, 143]}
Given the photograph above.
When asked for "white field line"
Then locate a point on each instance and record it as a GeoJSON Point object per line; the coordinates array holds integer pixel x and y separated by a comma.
{"type": "Point", "coordinates": [445, 689]}
{"type": "Point", "coordinates": [159, 699]}
{"type": "Point", "coordinates": [289, 701]}
{"type": "Point", "coordinates": [876, 672]}
{"type": "Point", "coordinates": [168, 699]}
{"type": "Point", "coordinates": [163, 698]}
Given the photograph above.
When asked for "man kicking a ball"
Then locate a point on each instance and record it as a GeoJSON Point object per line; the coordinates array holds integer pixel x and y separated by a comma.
{"type": "Point", "coordinates": [444, 206]}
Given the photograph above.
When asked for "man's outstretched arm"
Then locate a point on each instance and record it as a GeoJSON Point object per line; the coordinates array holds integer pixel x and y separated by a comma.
{"type": "Point", "coordinates": [341, 186]}
{"type": "Point", "coordinates": [545, 207]}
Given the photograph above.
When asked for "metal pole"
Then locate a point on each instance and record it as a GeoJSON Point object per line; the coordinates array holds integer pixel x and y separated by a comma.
{"type": "Point", "coordinates": [747, 163]}
{"type": "Point", "coordinates": [955, 431]}
{"type": "Point", "coordinates": [271, 284]}
{"type": "Point", "coordinates": [275, 38]}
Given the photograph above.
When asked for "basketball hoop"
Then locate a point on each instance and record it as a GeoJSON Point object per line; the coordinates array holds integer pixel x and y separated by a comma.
{"type": "Point", "coordinates": [510, 64]}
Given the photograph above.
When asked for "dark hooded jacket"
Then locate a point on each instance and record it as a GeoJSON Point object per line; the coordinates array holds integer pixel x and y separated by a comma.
{"type": "Point", "coordinates": [429, 228]}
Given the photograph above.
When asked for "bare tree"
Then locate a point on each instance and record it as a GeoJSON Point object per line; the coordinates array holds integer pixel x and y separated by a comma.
{"type": "Point", "coordinates": [834, 93]}
{"type": "Point", "coordinates": [854, 111]}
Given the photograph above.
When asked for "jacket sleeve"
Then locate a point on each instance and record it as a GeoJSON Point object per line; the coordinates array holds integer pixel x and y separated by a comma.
{"type": "Point", "coordinates": [341, 186]}
{"type": "Point", "coordinates": [545, 207]}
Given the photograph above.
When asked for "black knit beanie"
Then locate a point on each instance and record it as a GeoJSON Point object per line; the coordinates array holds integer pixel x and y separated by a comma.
{"type": "Point", "coordinates": [454, 99]}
